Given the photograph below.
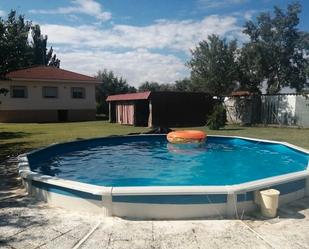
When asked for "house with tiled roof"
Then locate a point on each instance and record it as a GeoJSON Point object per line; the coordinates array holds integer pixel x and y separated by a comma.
{"type": "Point", "coordinates": [47, 94]}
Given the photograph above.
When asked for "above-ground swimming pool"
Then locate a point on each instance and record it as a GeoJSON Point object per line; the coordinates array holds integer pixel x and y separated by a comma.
{"type": "Point", "coordinates": [144, 176]}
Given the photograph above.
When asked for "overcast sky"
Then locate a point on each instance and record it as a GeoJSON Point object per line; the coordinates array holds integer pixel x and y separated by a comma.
{"type": "Point", "coordinates": [138, 39]}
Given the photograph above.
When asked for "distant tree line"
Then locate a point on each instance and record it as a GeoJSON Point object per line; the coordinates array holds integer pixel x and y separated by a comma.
{"type": "Point", "coordinates": [275, 55]}
{"type": "Point", "coordinates": [179, 86]}
{"type": "Point", "coordinates": [111, 84]}
{"type": "Point", "coordinates": [17, 50]}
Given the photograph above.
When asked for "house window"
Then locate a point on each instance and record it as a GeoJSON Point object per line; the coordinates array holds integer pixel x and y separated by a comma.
{"type": "Point", "coordinates": [50, 92]}
{"type": "Point", "coordinates": [78, 93]}
{"type": "Point", "coordinates": [19, 92]}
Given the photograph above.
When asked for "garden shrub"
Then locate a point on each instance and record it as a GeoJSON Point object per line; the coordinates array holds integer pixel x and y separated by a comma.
{"type": "Point", "coordinates": [217, 118]}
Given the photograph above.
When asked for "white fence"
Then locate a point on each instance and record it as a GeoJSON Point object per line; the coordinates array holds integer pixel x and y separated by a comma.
{"type": "Point", "coordinates": [282, 109]}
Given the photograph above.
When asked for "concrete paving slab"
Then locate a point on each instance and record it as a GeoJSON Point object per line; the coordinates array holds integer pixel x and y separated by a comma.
{"type": "Point", "coordinates": [206, 234]}
{"type": "Point", "coordinates": [175, 234]}
{"type": "Point", "coordinates": [124, 230]}
{"type": "Point", "coordinates": [73, 224]}
{"type": "Point", "coordinates": [79, 231]}
{"type": "Point", "coordinates": [136, 244]}
{"type": "Point", "coordinates": [184, 241]}
{"type": "Point", "coordinates": [63, 242]}
{"type": "Point", "coordinates": [96, 242]}
{"type": "Point", "coordinates": [232, 234]}
{"type": "Point", "coordinates": [3, 246]}
{"type": "Point", "coordinates": [32, 237]}
{"type": "Point", "coordinates": [289, 230]}
{"type": "Point", "coordinates": [17, 217]}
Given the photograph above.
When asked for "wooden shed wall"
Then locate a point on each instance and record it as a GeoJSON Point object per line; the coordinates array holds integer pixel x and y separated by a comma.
{"type": "Point", "coordinates": [179, 109]}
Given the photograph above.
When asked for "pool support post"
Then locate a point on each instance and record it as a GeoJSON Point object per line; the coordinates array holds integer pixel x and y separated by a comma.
{"type": "Point", "coordinates": [107, 202]}
{"type": "Point", "coordinates": [231, 205]}
{"type": "Point", "coordinates": [307, 187]}
{"type": "Point", "coordinates": [27, 183]}
{"type": "Point", "coordinates": [23, 169]}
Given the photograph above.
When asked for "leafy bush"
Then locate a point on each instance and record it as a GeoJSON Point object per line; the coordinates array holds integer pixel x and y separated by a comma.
{"type": "Point", "coordinates": [217, 118]}
{"type": "Point", "coordinates": [4, 91]}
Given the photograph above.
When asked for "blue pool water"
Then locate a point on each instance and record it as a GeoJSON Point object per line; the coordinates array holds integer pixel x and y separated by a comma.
{"type": "Point", "coordinates": [152, 161]}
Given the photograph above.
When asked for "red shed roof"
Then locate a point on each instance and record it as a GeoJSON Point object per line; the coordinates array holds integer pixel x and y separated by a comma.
{"type": "Point", "coordinates": [129, 96]}
{"type": "Point", "coordinates": [48, 73]}
{"type": "Point", "coordinates": [241, 93]}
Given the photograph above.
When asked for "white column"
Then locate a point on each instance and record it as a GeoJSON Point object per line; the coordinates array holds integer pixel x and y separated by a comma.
{"type": "Point", "coordinates": [307, 187]}
{"type": "Point", "coordinates": [150, 114]}
{"type": "Point", "coordinates": [231, 205]}
{"type": "Point", "coordinates": [107, 203]}
{"type": "Point", "coordinates": [28, 185]}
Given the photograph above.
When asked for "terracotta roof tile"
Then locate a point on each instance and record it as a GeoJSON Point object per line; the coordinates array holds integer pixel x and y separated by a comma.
{"type": "Point", "coordinates": [49, 73]}
{"type": "Point", "coordinates": [129, 96]}
{"type": "Point", "coordinates": [241, 93]}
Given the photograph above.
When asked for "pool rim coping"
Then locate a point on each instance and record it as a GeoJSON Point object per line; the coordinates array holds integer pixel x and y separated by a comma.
{"type": "Point", "coordinates": [26, 173]}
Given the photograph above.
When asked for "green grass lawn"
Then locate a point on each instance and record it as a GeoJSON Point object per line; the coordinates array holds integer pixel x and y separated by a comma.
{"type": "Point", "coordinates": [18, 138]}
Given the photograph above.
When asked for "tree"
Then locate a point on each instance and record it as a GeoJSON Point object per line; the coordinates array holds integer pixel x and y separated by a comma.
{"type": "Point", "coordinates": [39, 45]}
{"type": "Point", "coordinates": [277, 51]}
{"type": "Point", "coordinates": [4, 91]}
{"type": "Point", "coordinates": [249, 77]}
{"type": "Point", "coordinates": [149, 86]}
{"type": "Point", "coordinates": [166, 87]}
{"type": "Point", "coordinates": [53, 61]}
{"type": "Point", "coordinates": [183, 85]}
{"type": "Point", "coordinates": [17, 51]}
{"type": "Point", "coordinates": [155, 87]}
{"type": "Point", "coordinates": [2, 45]}
{"type": "Point", "coordinates": [213, 66]}
{"type": "Point", "coordinates": [110, 85]}
{"type": "Point", "coordinates": [217, 119]}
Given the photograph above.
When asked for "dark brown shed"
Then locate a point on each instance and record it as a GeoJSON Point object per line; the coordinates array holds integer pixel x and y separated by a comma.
{"type": "Point", "coordinates": [160, 109]}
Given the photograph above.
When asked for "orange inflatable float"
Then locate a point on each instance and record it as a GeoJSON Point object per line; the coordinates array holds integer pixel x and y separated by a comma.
{"type": "Point", "coordinates": [186, 136]}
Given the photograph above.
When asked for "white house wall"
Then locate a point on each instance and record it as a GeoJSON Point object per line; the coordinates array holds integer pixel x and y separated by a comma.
{"type": "Point", "coordinates": [35, 100]}
{"type": "Point", "coordinates": [36, 108]}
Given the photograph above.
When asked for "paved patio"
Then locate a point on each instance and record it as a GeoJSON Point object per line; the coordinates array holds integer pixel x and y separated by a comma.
{"type": "Point", "coordinates": [27, 223]}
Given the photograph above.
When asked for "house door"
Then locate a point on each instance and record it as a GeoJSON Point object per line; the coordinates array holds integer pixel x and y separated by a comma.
{"type": "Point", "coordinates": [125, 114]}
{"type": "Point", "coordinates": [62, 115]}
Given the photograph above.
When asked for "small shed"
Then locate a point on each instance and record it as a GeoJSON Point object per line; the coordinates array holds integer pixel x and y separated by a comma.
{"type": "Point", "coordinates": [160, 109]}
